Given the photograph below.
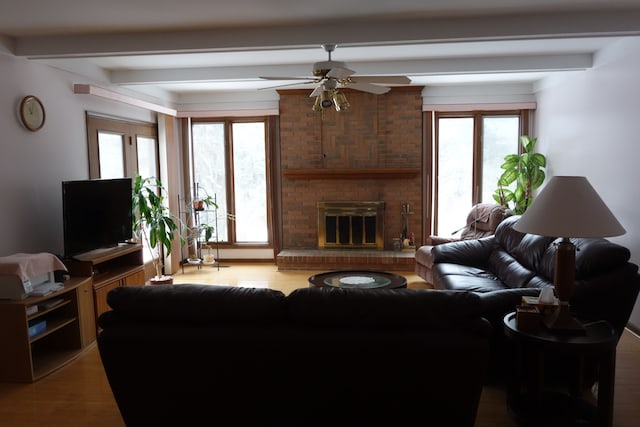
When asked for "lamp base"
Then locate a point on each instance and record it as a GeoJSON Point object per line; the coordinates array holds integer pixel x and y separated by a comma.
{"type": "Point", "coordinates": [561, 320]}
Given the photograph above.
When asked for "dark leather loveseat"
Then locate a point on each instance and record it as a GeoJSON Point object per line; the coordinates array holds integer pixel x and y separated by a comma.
{"type": "Point", "coordinates": [218, 355]}
{"type": "Point", "coordinates": [509, 264]}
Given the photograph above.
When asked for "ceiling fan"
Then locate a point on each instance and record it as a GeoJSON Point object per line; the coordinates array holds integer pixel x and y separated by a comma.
{"type": "Point", "coordinates": [330, 76]}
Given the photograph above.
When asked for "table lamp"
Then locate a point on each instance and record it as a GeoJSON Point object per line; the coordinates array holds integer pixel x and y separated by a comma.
{"type": "Point", "coordinates": [567, 206]}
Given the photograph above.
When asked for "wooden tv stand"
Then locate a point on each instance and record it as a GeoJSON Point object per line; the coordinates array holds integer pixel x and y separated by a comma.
{"type": "Point", "coordinates": [109, 268]}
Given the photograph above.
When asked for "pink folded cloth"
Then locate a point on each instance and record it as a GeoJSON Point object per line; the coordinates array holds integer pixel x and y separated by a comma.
{"type": "Point", "coordinates": [26, 265]}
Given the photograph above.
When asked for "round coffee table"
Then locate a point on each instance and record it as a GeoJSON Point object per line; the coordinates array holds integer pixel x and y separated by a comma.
{"type": "Point", "coordinates": [356, 279]}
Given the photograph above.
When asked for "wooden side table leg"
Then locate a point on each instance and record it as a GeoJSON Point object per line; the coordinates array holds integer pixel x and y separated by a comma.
{"type": "Point", "coordinates": [538, 383]}
{"type": "Point", "coordinates": [606, 386]}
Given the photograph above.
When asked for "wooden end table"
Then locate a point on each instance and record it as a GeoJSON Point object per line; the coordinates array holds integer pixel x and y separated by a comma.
{"type": "Point", "coordinates": [539, 407]}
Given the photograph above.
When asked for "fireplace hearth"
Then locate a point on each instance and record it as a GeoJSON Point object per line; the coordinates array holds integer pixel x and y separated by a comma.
{"type": "Point", "coordinates": [351, 224]}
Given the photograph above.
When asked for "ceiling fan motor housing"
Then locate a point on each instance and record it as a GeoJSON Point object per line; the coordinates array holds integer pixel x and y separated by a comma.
{"type": "Point", "coordinates": [320, 69]}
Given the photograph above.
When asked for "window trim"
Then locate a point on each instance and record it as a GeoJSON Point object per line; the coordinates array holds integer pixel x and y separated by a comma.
{"type": "Point", "coordinates": [270, 122]}
{"type": "Point", "coordinates": [477, 115]}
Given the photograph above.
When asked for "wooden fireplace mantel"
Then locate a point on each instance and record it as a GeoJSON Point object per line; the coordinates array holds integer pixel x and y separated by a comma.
{"type": "Point", "coordinates": [362, 173]}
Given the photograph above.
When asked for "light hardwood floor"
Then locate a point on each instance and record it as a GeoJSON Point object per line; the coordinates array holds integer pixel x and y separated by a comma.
{"type": "Point", "coordinates": [78, 394]}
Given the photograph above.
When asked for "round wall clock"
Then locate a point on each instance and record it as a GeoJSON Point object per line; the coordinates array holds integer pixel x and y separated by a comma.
{"type": "Point", "coordinates": [32, 113]}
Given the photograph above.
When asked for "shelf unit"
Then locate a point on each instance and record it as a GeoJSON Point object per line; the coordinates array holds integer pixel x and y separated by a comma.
{"type": "Point", "coordinates": [109, 269]}
{"type": "Point", "coordinates": [190, 215]}
{"type": "Point", "coordinates": [70, 327]}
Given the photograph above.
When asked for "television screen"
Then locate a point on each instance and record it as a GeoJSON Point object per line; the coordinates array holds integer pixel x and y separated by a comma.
{"type": "Point", "coordinates": [96, 214]}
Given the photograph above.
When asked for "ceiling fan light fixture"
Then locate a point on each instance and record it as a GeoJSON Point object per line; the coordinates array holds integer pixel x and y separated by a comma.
{"type": "Point", "coordinates": [317, 105]}
{"type": "Point", "coordinates": [340, 101]}
{"type": "Point", "coordinates": [326, 99]}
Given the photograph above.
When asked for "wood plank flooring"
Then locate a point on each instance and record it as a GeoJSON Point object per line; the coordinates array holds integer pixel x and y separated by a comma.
{"type": "Point", "coordinates": [78, 394]}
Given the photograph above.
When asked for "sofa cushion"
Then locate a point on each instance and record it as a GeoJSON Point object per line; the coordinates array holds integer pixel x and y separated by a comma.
{"type": "Point", "coordinates": [388, 308]}
{"type": "Point", "coordinates": [464, 278]}
{"type": "Point", "coordinates": [193, 303]}
{"type": "Point", "coordinates": [507, 268]}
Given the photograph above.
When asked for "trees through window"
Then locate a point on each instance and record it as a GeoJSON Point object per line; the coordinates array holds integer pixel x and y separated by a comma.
{"type": "Point", "coordinates": [229, 162]}
{"type": "Point", "coordinates": [468, 151]}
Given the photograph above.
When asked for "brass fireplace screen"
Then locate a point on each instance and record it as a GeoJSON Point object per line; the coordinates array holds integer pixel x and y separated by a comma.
{"type": "Point", "coordinates": [348, 224]}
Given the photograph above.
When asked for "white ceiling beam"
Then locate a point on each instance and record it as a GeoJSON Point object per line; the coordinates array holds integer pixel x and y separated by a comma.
{"type": "Point", "coordinates": [372, 32]}
{"type": "Point", "coordinates": [448, 66]}
{"type": "Point", "coordinates": [89, 89]}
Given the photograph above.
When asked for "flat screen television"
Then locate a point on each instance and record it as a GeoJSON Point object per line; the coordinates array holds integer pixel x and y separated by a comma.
{"type": "Point", "coordinates": [96, 214]}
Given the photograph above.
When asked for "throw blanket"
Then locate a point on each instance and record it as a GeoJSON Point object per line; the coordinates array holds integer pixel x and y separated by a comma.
{"type": "Point", "coordinates": [26, 265]}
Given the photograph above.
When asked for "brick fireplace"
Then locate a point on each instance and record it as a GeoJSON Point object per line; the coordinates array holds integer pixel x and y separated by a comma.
{"type": "Point", "coordinates": [371, 152]}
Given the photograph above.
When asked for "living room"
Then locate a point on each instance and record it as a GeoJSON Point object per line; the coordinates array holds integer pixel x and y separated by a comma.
{"type": "Point", "coordinates": [582, 119]}
{"type": "Point", "coordinates": [585, 121]}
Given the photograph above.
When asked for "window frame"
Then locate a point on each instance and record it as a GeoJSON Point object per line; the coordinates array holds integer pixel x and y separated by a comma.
{"type": "Point", "coordinates": [477, 116]}
{"type": "Point", "coordinates": [130, 130]}
{"type": "Point", "coordinates": [269, 125]}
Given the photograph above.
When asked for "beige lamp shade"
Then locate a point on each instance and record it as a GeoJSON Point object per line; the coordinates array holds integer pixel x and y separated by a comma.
{"type": "Point", "coordinates": [568, 206]}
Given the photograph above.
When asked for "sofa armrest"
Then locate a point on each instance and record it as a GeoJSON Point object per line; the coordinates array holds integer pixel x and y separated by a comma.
{"type": "Point", "coordinates": [504, 301]}
{"type": "Point", "coordinates": [609, 296]}
{"type": "Point", "coordinates": [438, 240]}
{"type": "Point", "coordinates": [473, 252]}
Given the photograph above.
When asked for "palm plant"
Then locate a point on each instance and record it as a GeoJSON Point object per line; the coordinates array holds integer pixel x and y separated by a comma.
{"type": "Point", "coordinates": [526, 170]}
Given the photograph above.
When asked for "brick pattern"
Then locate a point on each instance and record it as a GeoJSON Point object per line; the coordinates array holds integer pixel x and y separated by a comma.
{"type": "Point", "coordinates": [350, 259]}
{"type": "Point", "coordinates": [383, 131]}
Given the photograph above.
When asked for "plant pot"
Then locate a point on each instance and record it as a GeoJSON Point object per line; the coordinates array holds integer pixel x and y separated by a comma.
{"type": "Point", "coordinates": [162, 280]}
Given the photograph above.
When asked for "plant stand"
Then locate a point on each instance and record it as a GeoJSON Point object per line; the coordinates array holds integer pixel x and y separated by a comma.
{"type": "Point", "coordinates": [192, 218]}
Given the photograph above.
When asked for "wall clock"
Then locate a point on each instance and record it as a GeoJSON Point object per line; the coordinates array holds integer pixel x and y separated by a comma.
{"type": "Point", "coordinates": [32, 113]}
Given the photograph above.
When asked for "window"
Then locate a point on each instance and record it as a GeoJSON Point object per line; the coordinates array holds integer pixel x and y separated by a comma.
{"type": "Point", "coordinates": [230, 163]}
{"type": "Point", "coordinates": [119, 149]}
{"type": "Point", "coordinates": [469, 149]}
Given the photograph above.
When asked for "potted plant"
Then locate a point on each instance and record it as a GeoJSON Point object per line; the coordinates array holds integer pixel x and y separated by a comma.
{"type": "Point", "coordinates": [153, 222]}
{"type": "Point", "coordinates": [526, 170]}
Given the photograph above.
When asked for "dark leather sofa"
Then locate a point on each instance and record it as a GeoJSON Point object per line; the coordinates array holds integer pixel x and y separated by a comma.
{"type": "Point", "coordinates": [219, 355]}
{"type": "Point", "coordinates": [509, 264]}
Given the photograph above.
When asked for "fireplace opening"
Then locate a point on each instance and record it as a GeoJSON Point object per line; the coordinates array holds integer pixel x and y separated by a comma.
{"type": "Point", "coordinates": [349, 224]}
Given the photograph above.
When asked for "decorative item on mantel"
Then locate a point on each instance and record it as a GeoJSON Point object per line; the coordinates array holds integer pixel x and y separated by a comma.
{"type": "Point", "coordinates": [407, 238]}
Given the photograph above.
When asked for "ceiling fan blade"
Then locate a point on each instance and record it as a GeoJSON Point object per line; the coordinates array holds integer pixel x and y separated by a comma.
{"type": "Point", "coordinates": [284, 78]}
{"type": "Point", "coordinates": [290, 84]}
{"type": "Point", "coordinates": [390, 80]}
{"type": "Point", "coordinates": [368, 87]}
{"type": "Point", "coordinates": [339, 73]}
{"type": "Point", "coordinates": [317, 91]}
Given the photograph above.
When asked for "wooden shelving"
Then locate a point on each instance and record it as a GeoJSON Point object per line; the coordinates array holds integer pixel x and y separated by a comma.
{"type": "Point", "coordinates": [70, 327]}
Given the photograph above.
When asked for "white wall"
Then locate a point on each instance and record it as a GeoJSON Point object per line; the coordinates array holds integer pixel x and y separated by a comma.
{"type": "Point", "coordinates": [33, 165]}
{"type": "Point", "coordinates": [588, 124]}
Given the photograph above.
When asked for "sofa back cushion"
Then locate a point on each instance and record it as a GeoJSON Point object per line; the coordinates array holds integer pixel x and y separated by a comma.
{"type": "Point", "coordinates": [526, 249]}
{"type": "Point", "coordinates": [593, 258]}
{"type": "Point", "coordinates": [194, 304]}
{"type": "Point", "coordinates": [517, 257]}
{"type": "Point", "coordinates": [386, 308]}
